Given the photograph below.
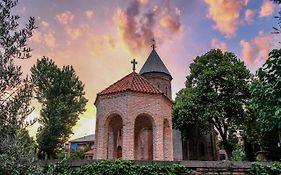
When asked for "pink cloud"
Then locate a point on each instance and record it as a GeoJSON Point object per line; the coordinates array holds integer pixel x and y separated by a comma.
{"type": "Point", "coordinates": [89, 13]}
{"type": "Point", "coordinates": [267, 9]}
{"type": "Point", "coordinates": [247, 52]}
{"type": "Point", "coordinates": [138, 25]}
{"type": "Point", "coordinates": [216, 44]}
{"type": "Point", "coordinates": [170, 23]}
{"type": "Point", "coordinates": [249, 14]}
{"type": "Point", "coordinates": [36, 37]}
{"type": "Point", "coordinates": [73, 33]}
{"type": "Point", "coordinates": [255, 52]}
{"type": "Point", "coordinates": [46, 38]}
{"type": "Point", "coordinates": [45, 24]}
{"type": "Point", "coordinates": [50, 40]}
{"type": "Point", "coordinates": [225, 14]}
{"type": "Point", "coordinates": [143, 2]}
{"type": "Point", "coordinates": [65, 17]}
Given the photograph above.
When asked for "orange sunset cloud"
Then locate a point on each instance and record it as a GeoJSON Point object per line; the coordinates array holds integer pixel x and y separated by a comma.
{"type": "Point", "coordinates": [249, 14]}
{"type": "Point", "coordinates": [256, 51]}
{"type": "Point", "coordinates": [138, 29]}
{"type": "Point", "coordinates": [225, 14]}
{"type": "Point", "coordinates": [215, 43]}
{"type": "Point", "coordinates": [267, 9]}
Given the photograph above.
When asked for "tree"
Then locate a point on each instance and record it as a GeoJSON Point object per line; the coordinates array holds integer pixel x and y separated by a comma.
{"type": "Point", "coordinates": [215, 95]}
{"type": "Point", "coordinates": [61, 94]}
{"type": "Point", "coordinates": [266, 97]}
{"type": "Point", "coordinates": [16, 151]}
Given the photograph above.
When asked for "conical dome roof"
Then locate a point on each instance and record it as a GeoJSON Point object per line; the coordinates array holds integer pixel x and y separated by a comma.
{"type": "Point", "coordinates": [154, 64]}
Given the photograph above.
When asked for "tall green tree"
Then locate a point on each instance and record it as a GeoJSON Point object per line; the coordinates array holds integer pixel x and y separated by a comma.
{"type": "Point", "coordinates": [61, 94]}
{"type": "Point", "coordinates": [266, 98]}
{"type": "Point", "coordinates": [16, 150]}
{"type": "Point", "coordinates": [215, 95]}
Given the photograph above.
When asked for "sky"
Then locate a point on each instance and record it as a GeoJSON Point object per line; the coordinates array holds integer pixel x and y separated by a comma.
{"type": "Point", "coordinates": [100, 38]}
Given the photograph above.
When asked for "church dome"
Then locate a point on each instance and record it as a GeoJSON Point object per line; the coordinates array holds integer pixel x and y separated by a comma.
{"type": "Point", "coordinates": [154, 64]}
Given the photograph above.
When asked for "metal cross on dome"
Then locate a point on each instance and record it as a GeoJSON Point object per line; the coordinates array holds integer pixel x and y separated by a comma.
{"type": "Point", "coordinates": [153, 44]}
{"type": "Point", "coordinates": [134, 64]}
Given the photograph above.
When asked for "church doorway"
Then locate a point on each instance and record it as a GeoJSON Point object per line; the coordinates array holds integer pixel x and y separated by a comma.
{"type": "Point", "coordinates": [143, 138]}
{"type": "Point", "coordinates": [114, 137]}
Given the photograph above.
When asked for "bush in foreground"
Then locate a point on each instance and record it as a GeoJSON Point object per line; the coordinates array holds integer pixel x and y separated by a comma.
{"type": "Point", "coordinates": [118, 167]}
{"type": "Point", "coordinates": [258, 168]}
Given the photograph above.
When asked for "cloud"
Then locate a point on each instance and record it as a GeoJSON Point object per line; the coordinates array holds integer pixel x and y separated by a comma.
{"type": "Point", "coordinates": [225, 14]}
{"type": "Point", "coordinates": [74, 33]}
{"type": "Point", "coordinates": [50, 40]}
{"type": "Point", "coordinates": [255, 52]}
{"type": "Point", "coordinates": [46, 38]}
{"type": "Point", "coordinates": [45, 24]}
{"type": "Point", "coordinates": [247, 52]}
{"type": "Point", "coordinates": [65, 18]}
{"type": "Point", "coordinates": [249, 14]}
{"type": "Point", "coordinates": [143, 2]}
{"type": "Point", "coordinates": [216, 44]}
{"type": "Point", "coordinates": [36, 37]}
{"type": "Point", "coordinates": [89, 13]}
{"type": "Point", "coordinates": [170, 23]}
{"type": "Point", "coordinates": [267, 9]}
{"type": "Point", "coordinates": [138, 24]}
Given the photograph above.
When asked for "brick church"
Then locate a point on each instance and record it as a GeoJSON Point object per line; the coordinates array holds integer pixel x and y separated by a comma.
{"type": "Point", "coordinates": [134, 116]}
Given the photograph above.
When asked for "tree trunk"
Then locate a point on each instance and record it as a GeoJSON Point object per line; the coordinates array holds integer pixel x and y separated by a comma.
{"type": "Point", "coordinates": [227, 148]}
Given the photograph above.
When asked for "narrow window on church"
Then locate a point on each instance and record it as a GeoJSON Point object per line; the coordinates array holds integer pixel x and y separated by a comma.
{"type": "Point", "coordinates": [120, 133]}
{"type": "Point", "coordinates": [166, 90]}
{"type": "Point", "coordinates": [158, 86]}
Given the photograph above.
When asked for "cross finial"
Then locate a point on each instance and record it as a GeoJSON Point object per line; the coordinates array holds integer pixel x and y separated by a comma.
{"type": "Point", "coordinates": [153, 44]}
{"type": "Point", "coordinates": [134, 64]}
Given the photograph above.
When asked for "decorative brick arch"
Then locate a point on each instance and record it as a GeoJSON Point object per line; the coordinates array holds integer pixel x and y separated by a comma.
{"type": "Point", "coordinates": [113, 134]}
{"type": "Point", "coordinates": [144, 137]}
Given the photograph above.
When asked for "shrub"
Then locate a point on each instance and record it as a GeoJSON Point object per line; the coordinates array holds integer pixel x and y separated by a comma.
{"type": "Point", "coordinates": [118, 167]}
{"type": "Point", "coordinates": [258, 168]}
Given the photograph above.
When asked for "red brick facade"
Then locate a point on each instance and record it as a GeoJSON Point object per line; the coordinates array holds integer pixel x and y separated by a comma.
{"type": "Point", "coordinates": [140, 117]}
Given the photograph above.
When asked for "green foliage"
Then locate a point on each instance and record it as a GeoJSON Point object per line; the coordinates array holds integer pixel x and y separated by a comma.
{"type": "Point", "coordinates": [19, 157]}
{"type": "Point", "coordinates": [266, 93]}
{"type": "Point", "coordinates": [258, 168]}
{"type": "Point", "coordinates": [118, 167]}
{"type": "Point", "coordinates": [238, 153]}
{"type": "Point", "coordinates": [61, 94]}
{"type": "Point", "coordinates": [77, 154]}
{"type": "Point", "coordinates": [215, 95]}
{"type": "Point", "coordinates": [15, 93]}
{"type": "Point", "coordinates": [59, 168]}
{"type": "Point", "coordinates": [16, 149]}
{"type": "Point", "coordinates": [266, 102]}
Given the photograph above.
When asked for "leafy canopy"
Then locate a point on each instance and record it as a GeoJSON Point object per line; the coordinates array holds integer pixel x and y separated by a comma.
{"type": "Point", "coordinates": [61, 94]}
{"type": "Point", "coordinates": [16, 149]}
{"type": "Point", "coordinates": [266, 93]}
{"type": "Point", "coordinates": [216, 92]}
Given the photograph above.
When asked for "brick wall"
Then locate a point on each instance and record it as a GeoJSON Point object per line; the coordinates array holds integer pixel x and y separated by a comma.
{"type": "Point", "coordinates": [129, 105]}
